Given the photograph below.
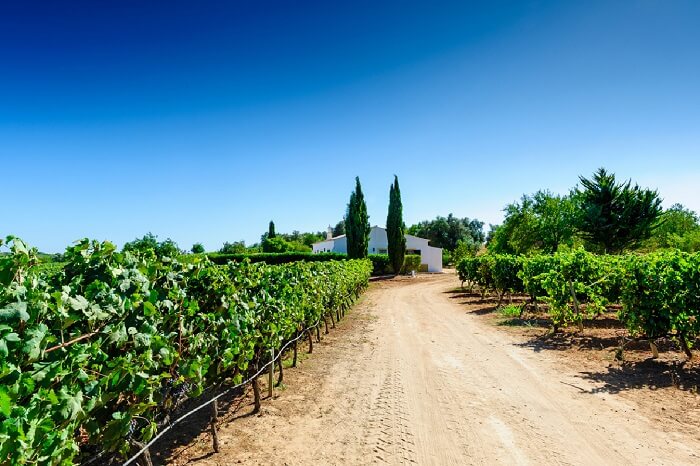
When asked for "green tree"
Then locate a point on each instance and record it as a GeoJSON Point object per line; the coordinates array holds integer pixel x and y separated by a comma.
{"type": "Point", "coordinates": [677, 227]}
{"type": "Point", "coordinates": [465, 248]}
{"type": "Point", "coordinates": [447, 232]}
{"type": "Point", "coordinates": [197, 248]}
{"type": "Point", "coordinates": [538, 223]}
{"type": "Point", "coordinates": [149, 242]}
{"type": "Point", "coordinates": [555, 218]}
{"type": "Point", "coordinates": [310, 238]}
{"type": "Point", "coordinates": [279, 244]}
{"type": "Point", "coordinates": [395, 227]}
{"type": "Point", "coordinates": [339, 228]}
{"type": "Point", "coordinates": [357, 224]}
{"type": "Point", "coordinates": [615, 216]}
{"type": "Point", "coordinates": [237, 247]}
{"type": "Point", "coordinates": [271, 230]}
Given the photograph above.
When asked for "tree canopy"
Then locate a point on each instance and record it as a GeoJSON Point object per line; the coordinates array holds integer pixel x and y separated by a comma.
{"type": "Point", "coordinates": [357, 226]}
{"type": "Point", "coordinates": [602, 214]}
{"type": "Point", "coordinates": [677, 227]}
{"type": "Point", "coordinates": [339, 228]}
{"type": "Point", "coordinates": [149, 241]}
{"type": "Point", "coordinates": [395, 228]}
{"type": "Point", "coordinates": [540, 222]}
{"type": "Point", "coordinates": [615, 216]}
{"type": "Point", "coordinates": [447, 232]}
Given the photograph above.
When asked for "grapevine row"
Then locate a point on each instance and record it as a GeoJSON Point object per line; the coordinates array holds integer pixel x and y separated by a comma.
{"type": "Point", "coordinates": [659, 293]}
{"type": "Point", "coordinates": [100, 353]}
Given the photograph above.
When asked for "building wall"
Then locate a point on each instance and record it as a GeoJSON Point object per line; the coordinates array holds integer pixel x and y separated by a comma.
{"type": "Point", "coordinates": [341, 245]}
{"type": "Point", "coordinates": [378, 241]}
{"type": "Point", "coordinates": [323, 246]}
{"type": "Point", "coordinates": [433, 257]}
{"type": "Point", "coordinates": [378, 244]}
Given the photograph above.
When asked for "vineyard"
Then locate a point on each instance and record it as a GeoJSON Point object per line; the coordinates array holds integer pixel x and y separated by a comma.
{"type": "Point", "coordinates": [657, 295]}
{"type": "Point", "coordinates": [96, 355]}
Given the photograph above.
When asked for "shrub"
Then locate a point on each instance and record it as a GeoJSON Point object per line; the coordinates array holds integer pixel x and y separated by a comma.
{"type": "Point", "coordinates": [411, 263]}
{"type": "Point", "coordinates": [276, 258]}
{"type": "Point", "coordinates": [380, 264]}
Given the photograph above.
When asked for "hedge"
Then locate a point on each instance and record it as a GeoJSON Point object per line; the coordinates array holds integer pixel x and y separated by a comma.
{"type": "Point", "coordinates": [275, 258]}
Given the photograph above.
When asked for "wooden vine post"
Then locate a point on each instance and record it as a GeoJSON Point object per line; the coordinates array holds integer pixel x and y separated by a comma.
{"type": "Point", "coordinates": [214, 433]}
{"type": "Point", "coordinates": [271, 373]}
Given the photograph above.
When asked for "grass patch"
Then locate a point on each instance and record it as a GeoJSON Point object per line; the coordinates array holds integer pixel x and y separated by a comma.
{"type": "Point", "coordinates": [510, 311]}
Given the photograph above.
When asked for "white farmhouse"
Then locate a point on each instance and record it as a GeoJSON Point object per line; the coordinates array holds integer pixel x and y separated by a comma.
{"type": "Point", "coordinates": [378, 244]}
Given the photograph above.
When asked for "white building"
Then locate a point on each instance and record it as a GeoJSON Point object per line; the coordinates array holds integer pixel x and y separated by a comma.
{"type": "Point", "coordinates": [378, 244]}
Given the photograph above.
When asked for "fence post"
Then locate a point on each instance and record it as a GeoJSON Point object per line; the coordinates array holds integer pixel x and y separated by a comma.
{"type": "Point", "coordinates": [214, 418]}
{"type": "Point", "coordinates": [271, 374]}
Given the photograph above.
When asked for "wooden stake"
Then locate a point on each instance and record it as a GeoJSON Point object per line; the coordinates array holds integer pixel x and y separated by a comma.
{"type": "Point", "coordinates": [145, 458]}
{"type": "Point", "coordinates": [214, 433]}
{"type": "Point", "coordinates": [294, 361]}
{"type": "Point", "coordinates": [256, 395]}
{"type": "Point", "coordinates": [654, 349]}
{"type": "Point", "coordinates": [271, 374]}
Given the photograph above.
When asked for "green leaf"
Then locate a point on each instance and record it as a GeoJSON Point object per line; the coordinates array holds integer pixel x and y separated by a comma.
{"type": "Point", "coordinates": [71, 403]}
{"type": "Point", "coordinates": [43, 370]}
{"type": "Point", "coordinates": [32, 347]}
{"type": "Point", "coordinates": [78, 303]}
{"type": "Point", "coordinates": [5, 402]}
{"type": "Point", "coordinates": [14, 312]}
{"type": "Point", "coordinates": [148, 308]}
{"type": "Point", "coordinates": [118, 334]}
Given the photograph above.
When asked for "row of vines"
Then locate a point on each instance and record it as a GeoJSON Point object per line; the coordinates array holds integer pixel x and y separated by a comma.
{"type": "Point", "coordinates": [93, 357]}
{"type": "Point", "coordinates": [658, 295]}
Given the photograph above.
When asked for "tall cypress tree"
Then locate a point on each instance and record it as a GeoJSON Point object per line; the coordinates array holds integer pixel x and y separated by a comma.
{"type": "Point", "coordinates": [271, 230]}
{"type": "Point", "coordinates": [357, 224]}
{"type": "Point", "coordinates": [394, 228]}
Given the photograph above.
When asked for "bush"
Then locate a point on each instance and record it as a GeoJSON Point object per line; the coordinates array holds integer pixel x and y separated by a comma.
{"type": "Point", "coordinates": [380, 264]}
{"type": "Point", "coordinates": [280, 245]}
{"type": "Point", "coordinates": [411, 263]}
{"type": "Point", "coordinates": [237, 247]}
{"type": "Point", "coordinates": [276, 258]}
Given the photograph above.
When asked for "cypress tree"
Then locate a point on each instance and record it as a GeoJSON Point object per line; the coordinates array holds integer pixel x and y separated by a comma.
{"type": "Point", "coordinates": [271, 230]}
{"type": "Point", "coordinates": [357, 224]}
{"type": "Point", "coordinates": [394, 228]}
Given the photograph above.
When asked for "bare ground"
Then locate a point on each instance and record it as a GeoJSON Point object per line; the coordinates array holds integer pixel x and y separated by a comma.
{"type": "Point", "coordinates": [414, 376]}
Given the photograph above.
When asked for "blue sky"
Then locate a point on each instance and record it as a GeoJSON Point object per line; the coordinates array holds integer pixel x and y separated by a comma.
{"type": "Point", "coordinates": [201, 121]}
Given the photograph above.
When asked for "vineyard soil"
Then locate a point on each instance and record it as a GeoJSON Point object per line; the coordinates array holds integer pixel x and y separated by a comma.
{"type": "Point", "coordinates": [413, 375]}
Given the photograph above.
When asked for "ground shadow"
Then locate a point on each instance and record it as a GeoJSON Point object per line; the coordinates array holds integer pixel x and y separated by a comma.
{"type": "Point", "coordinates": [560, 341]}
{"type": "Point", "coordinates": [648, 374]}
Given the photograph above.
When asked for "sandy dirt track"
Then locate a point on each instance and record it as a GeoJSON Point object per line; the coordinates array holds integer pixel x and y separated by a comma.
{"type": "Point", "coordinates": [410, 378]}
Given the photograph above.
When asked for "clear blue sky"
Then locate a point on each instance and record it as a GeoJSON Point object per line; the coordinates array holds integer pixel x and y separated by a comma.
{"type": "Point", "coordinates": [201, 121]}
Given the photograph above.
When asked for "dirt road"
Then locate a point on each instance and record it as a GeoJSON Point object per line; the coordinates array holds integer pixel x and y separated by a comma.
{"type": "Point", "coordinates": [411, 378]}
